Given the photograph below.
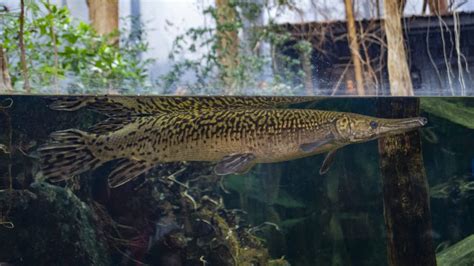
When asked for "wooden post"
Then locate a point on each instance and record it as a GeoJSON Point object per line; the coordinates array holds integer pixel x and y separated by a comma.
{"type": "Point", "coordinates": [355, 47]}
{"type": "Point", "coordinates": [405, 190]}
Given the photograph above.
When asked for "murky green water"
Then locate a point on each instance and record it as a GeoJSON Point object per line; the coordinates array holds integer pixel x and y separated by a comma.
{"type": "Point", "coordinates": [181, 213]}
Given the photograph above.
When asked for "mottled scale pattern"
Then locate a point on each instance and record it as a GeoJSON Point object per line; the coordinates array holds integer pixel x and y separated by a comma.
{"type": "Point", "coordinates": [142, 106]}
{"type": "Point", "coordinates": [208, 135]}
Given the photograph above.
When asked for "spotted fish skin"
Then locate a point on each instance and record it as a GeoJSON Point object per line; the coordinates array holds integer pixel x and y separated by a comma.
{"type": "Point", "coordinates": [272, 135]}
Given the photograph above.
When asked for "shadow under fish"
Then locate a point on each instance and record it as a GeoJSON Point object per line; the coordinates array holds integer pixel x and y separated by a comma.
{"type": "Point", "coordinates": [235, 136]}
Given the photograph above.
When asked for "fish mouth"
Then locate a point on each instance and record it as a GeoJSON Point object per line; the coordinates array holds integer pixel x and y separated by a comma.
{"type": "Point", "coordinates": [396, 126]}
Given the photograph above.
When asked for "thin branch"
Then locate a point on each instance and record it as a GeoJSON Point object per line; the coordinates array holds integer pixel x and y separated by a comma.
{"type": "Point", "coordinates": [433, 63]}
{"type": "Point", "coordinates": [338, 83]}
{"type": "Point", "coordinates": [460, 55]}
{"type": "Point", "coordinates": [447, 60]}
{"type": "Point", "coordinates": [354, 47]}
{"type": "Point", "coordinates": [425, 5]}
{"type": "Point", "coordinates": [24, 67]}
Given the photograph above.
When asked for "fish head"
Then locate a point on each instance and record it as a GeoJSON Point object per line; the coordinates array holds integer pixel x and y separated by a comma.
{"type": "Point", "coordinates": [359, 128]}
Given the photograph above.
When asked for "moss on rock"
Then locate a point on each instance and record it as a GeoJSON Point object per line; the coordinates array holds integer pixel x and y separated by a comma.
{"type": "Point", "coordinates": [51, 227]}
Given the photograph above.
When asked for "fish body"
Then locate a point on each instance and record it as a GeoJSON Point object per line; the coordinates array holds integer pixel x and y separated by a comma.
{"type": "Point", "coordinates": [235, 138]}
{"type": "Point", "coordinates": [272, 135]}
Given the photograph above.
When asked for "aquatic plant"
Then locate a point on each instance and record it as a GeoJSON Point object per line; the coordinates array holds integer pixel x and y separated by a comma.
{"type": "Point", "coordinates": [460, 254]}
{"type": "Point", "coordinates": [455, 111]}
{"type": "Point", "coordinates": [194, 229]}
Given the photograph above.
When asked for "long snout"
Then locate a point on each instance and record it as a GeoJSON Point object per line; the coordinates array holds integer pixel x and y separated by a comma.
{"type": "Point", "coordinates": [396, 126]}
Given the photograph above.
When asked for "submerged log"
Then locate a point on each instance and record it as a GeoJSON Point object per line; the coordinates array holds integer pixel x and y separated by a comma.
{"type": "Point", "coordinates": [405, 189]}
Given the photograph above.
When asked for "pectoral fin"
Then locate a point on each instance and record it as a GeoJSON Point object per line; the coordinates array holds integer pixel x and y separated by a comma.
{"type": "Point", "coordinates": [328, 161]}
{"type": "Point", "coordinates": [127, 170]}
{"type": "Point", "coordinates": [313, 146]}
{"type": "Point", "coordinates": [238, 163]}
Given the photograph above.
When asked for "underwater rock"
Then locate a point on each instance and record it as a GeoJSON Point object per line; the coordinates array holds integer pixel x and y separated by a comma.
{"type": "Point", "coordinates": [459, 254]}
{"type": "Point", "coordinates": [51, 227]}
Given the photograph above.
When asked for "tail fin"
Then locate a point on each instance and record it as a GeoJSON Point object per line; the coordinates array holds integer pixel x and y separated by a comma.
{"type": "Point", "coordinates": [67, 155]}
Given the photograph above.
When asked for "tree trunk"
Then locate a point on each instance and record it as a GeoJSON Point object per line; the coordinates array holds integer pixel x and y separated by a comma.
{"type": "Point", "coordinates": [398, 70]}
{"type": "Point", "coordinates": [405, 188]}
{"type": "Point", "coordinates": [438, 7]}
{"type": "Point", "coordinates": [5, 82]}
{"type": "Point", "coordinates": [228, 43]}
{"type": "Point", "coordinates": [104, 17]}
{"type": "Point", "coordinates": [406, 199]}
{"type": "Point", "coordinates": [355, 48]}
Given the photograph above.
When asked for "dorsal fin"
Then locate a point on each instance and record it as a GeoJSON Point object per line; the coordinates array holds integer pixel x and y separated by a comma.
{"type": "Point", "coordinates": [142, 106]}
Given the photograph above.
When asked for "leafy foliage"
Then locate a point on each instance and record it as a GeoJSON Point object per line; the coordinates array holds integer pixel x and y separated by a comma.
{"type": "Point", "coordinates": [65, 54]}
{"type": "Point", "coordinates": [196, 55]}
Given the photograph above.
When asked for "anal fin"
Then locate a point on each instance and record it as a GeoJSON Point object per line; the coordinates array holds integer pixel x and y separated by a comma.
{"type": "Point", "coordinates": [238, 163]}
{"type": "Point", "coordinates": [128, 170]}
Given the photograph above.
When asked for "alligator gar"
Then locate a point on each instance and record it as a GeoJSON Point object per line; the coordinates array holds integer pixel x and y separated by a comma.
{"type": "Point", "coordinates": [236, 139]}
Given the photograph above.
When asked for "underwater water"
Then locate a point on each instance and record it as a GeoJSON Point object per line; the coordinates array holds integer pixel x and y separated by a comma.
{"type": "Point", "coordinates": [185, 213]}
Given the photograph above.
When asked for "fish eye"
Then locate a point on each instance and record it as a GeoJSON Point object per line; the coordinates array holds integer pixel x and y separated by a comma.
{"type": "Point", "coordinates": [374, 124]}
